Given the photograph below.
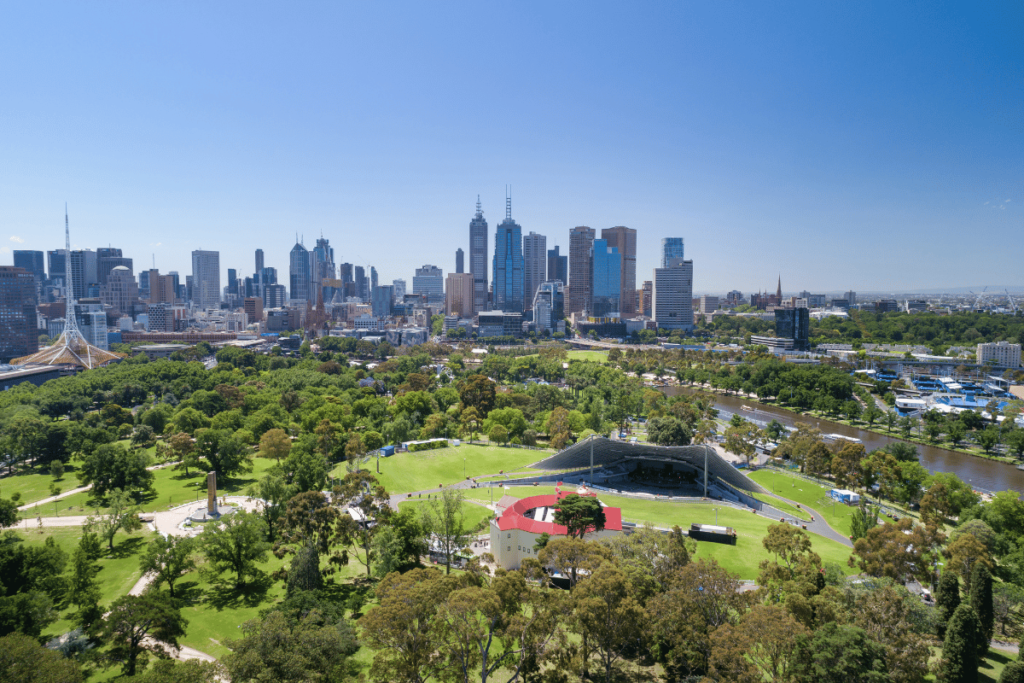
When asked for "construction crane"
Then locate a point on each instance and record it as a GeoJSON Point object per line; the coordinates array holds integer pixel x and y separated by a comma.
{"type": "Point", "coordinates": [1013, 306]}
{"type": "Point", "coordinates": [977, 302]}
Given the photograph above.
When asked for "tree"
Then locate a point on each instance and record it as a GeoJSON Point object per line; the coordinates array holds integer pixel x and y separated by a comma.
{"type": "Point", "coordinates": [122, 515]}
{"type": "Point", "coordinates": [167, 558]}
{"type": "Point", "coordinates": [140, 623]}
{"type": "Point", "coordinates": [8, 513]}
{"type": "Point", "coordinates": [761, 646]}
{"type": "Point", "coordinates": [896, 619]}
{"type": "Point", "coordinates": [183, 449]}
{"type": "Point", "coordinates": [839, 654]}
{"type": "Point", "coordinates": [498, 434]}
{"type": "Point", "coordinates": [580, 515]}
{"type": "Point", "coordinates": [964, 554]}
{"type": "Point", "coordinates": [893, 550]}
{"type": "Point", "coordinates": [1007, 599]}
{"type": "Point", "coordinates": [360, 493]}
{"type": "Point", "coordinates": [470, 422]}
{"type": "Point", "coordinates": [947, 600]}
{"type": "Point", "coordinates": [981, 603]}
{"type": "Point", "coordinates": [83, 591]}
{"type": "Point", "coordinates": [191, 671]}
{"type": "Point", "coordinates": [24, 660]}
{"type": "Point", "coordinates": [273, 494]}
{"type": "Point", "coordinates": [608, 616]}
{"type": "Point", "coordinates": [865, 517]}
{"type": "Point", "coordinates": [558, 429]}
{"type": "Point", "coordinates": [236, 543]}
{"type": "Point", "coordinates": [668, 431]}
{"type": "Point", "coordinates": [310, 649]}
{"type": "Point", "coordinates": [275, 443]}
{"type": "Point", "coordinates": [572, 556]}
{"type": "Point", "coordinates": [443, 520]}
{"type": "Point", "coordinates": [1013, 673]}
{"type": "Point", "coordinates": [304, 572]}
{"type": "Point", "coordinates": [57, 469]}
{"type": "Point", "coordinates": [741, 440]}
{"type": "Point", "coordinates": [402, 629]}
{"type": "Point", "coordinates": [112, 466]}
{"type": "Point", "coordinates": [224, 453]}
{"type": "Point", "coordinates": [960, 649]}
{"type": "Point", "coordinates": [477, 391]}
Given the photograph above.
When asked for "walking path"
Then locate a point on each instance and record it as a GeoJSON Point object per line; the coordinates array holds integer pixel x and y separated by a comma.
{"type": "Point", "coordinates": [65, 494]}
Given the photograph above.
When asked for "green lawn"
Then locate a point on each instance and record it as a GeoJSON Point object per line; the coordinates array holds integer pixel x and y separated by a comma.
{"type": "Point", "coordinates": [781, 505]}
{"type": "Point", "coordinates": [119, 571]}
{"type": "Point", "coordinates": [474, 516]}
{"type": "Point", "coordinates": [806, 493]}
{"type": "Point", "coordinates": [742, 558]}
{"type": "Point", "coordinates": [171, 488]}
{"type": "Point", "coordinates": [34, 484]}
{"type": "Point", "coordinates": [596, 356]}
{"type": "Point", "coordinates": [407, 472]}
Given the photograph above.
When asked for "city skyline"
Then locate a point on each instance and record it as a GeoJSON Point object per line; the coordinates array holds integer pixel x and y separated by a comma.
{"type": "Point", "coordinates": [785, 136]}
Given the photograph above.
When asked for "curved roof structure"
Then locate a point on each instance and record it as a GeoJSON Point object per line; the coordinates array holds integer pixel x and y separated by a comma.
{"type": "Point", "coordinates": [523, 515]}
{"type": "Point", "coordinates": [608, 453]}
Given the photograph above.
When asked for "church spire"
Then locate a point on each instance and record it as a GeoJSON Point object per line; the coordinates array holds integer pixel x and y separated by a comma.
{"type": "Point", "coordinates": [778, 292]}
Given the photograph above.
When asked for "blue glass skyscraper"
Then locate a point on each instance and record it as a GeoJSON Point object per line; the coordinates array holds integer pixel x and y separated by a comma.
{"type": "Point", "coordinates": [671, 248]}
{"type": "Point", "coordinates": [606, 280]}
{"type": "Point", "coordinates": [508, 264]}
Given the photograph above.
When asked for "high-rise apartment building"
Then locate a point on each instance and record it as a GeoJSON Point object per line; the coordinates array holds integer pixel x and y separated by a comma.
{"type": "Point", "coordinates": [19, 330]}
{"type": "Point", "coordinates": [359, 281]}
{"type": "Point", "coordinates": [92, 322]}
{"type": "Point", "coordinates": [55, 264]}
{"type": "Point", "coordinates": [275, 296]}
{"type": "Point", "coordinates": [548, 306]}
{"type": "Point", "coordinates": [1001, 354]}
{"type": "Point", "coordinates": [478, 255]}
{"type": "Point", "coordinates": [606, 279]}
{"type": "Point", "coordinates": [460, 261]}
{"type": "Point", "coordinates": [851, 298]}
{"type": "Point", "coordinates": [672, 295]}
{"type": "Point", "coordinates": [558, 266]}
{"type": "Point", "coordinates": [232, 287]}
{"type": "Point", "coordinates": [429, 282]}
{"type": "Point", "coordinates": [507, 279]}
{"type": "Point", "coordinates": [646, 294]}
{"type": "Point", "coordinates": [671, 248]}
{"type": "Point", "coordinates": [323, 264]}
{"type": "Point", "coordinates": [32, 261]}
{"type": "Point", "coordinates": [458, 296]}
{"type": "Point", "coordinates": [581, 243]}
{"type": "Point", "coordinates": [624, 240]}
{"type": "Point", "coordinates": [259, 262]}
{"type": "Point", "coordinates": [300, 275]}
{"type": "Point", "coordinates": [253, 307]}
{"type": "Point", "coordinates": [205, 279]}
{"type": "Point", "coordinates": [535, 265]}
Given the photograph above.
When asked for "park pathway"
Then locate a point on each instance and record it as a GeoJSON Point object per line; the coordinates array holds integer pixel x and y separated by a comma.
{"type": "Point", "coordinates": [65, 494]}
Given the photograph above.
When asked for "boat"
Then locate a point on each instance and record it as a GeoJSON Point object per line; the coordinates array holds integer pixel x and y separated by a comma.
{"type": "Point", "coordinates": [745, 407]}
{"type": "Point", "coordinates": [830, 438]}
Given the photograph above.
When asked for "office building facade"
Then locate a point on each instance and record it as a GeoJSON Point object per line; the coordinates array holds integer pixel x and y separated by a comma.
{"type": "Point", "coordinates": [671, 248]}
{"type": "Point", "coordinates": [205, 279]}
{"type": "Point", "coordinates": [300, 274]}
{"type": "Point", "coordinates": [460, 260]}
{"type": "Point", "coordinates": [84, 271]}
{"type": "Point", "coordinates": [120, 291]}
{"type": "Point", "coordinates": [507, 287]}
{"type": "Point", "coordinates": [398, 289]}
{"type": "Point", "coordinates": [535, 265]}
{"type": "Point", "coordinates": [32, 261]}
{"type": "Point", "coordinates": [1000, 354]}
{"type": "Point", "coordinates": [624, 240]}
{"type": "Point", "coordinates": [646, 298]}
{"type": "Point", "coordinates": [558, 266]}
{"type": "Point", "coordinates": [382, 300]}
{"type": "Point", "coordinates": [19, 328]}
{"type": "Point", "coordinates": [478, 257]}
{"type": "Point", "coordinates": [606, 282]}
{"type": "Point", "coordinates": [581, 243]}
{"type": "Point", "coordinates": [549, 306]}
{"type": "Point", "coordinates": [795, 324]}
{"type": "Point", "coordinates": [672, 295]}
{"type": "Point", "coordinates": [429, 282]}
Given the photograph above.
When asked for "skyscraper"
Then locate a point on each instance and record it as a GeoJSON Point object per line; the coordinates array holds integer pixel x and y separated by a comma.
{"type": "Point", "coordinates": [672, 295]}
{"type": "Point", "coordinates": [32, 261]}
{"type": "Point", "coordinates": [478, 258]}
{"type": "Point", "coordinates": [508, 264]}
{"type": "Point", "coordinates": [232, 281]}
{"type": "Point", "coordinates": [84, 266]}
{"type": "Point", "coordinates": [429, 282]}
{"type": "Point", "coordinates": [56, 264]}
{"type": "Point", "coordinates": [259, 261]}
{"type": "Point", "coordinates": [671, 247]}
{"type": "Point", "coordinates": [19, 331]}
{"type": "Point", "coordinates": [459, 295]}
{"type": "Point", "coordinates": [548, 306]}
{"type": "Point", "coordinates": [646, 292]}
{"type": "Point", "coordinates": [300, 276]}
{"type": "Point", "coordinates": [535, 265]}
{"type": "Point", "coordinates": [624, 240]}
{"type": "Point", "coordinates": [558, 266]}
{"type": "Point", "coordinates": [606, 282]}
{"type": "Point", "coordinates": [399, 290]}
{"type": "Point", "coordinates": [359, 280]}
{"type": "Point", "coordinates": [383, 297]}
{"type": "Point", "coordinates": [581, 242]}
{"type": "Point", "coordinates": [205, 279]}
{"type": "Point", "coordinates": [460, 261]}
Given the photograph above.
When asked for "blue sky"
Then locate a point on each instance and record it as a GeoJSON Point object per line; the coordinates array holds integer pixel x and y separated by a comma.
{"type": "Point", "coordinates": [872, 146]}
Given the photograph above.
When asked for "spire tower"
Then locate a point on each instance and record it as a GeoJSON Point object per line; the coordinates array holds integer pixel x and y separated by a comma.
{"type": "Point", "coordinates": [508, 202]}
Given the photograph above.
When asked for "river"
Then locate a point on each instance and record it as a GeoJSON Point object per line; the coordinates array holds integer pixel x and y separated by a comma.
{"type": "Point", "coordinates": [985, 475]}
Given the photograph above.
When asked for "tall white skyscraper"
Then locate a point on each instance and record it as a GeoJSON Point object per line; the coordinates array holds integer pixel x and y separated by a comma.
{"type": "Point", "coordinates": [673, 295]}
{"type": "Point", "coordinates": [535, 265]}
{"type": "Point", "coordinates": [206, 279]}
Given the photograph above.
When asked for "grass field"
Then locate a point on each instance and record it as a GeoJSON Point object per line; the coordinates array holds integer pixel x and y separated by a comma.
{"type": "Point", "coordinates": [742, 558]}
{"type": "Point", "coordinates": [408, 472]}
{"type": "Point", "coordinates": [34, 484]}
{"type": "Point", "coordinates": [172, 488]}
{"type": "Point", "coordinates": [119, 571]}
{"type": "Point", "coordinates": [596, 356]}
{"type": "Point", "coordinates": [474, 516]}
{"type": "Point", "coordinates": [782, 506]}
{"type": "Point", "coordinates": [806, 493]}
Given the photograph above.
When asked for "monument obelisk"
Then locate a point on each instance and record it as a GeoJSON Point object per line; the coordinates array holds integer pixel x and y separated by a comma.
{"type": "Point", "coordinates": [211, 494]}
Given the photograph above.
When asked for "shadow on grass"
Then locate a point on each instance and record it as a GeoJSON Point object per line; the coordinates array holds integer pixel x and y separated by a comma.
{"type": "Point", "coordinates": [188, 592]}
{"type": "Point", "coordinates": [226, 595]}
{"type": "Point", "coordinates": [126, 548]}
